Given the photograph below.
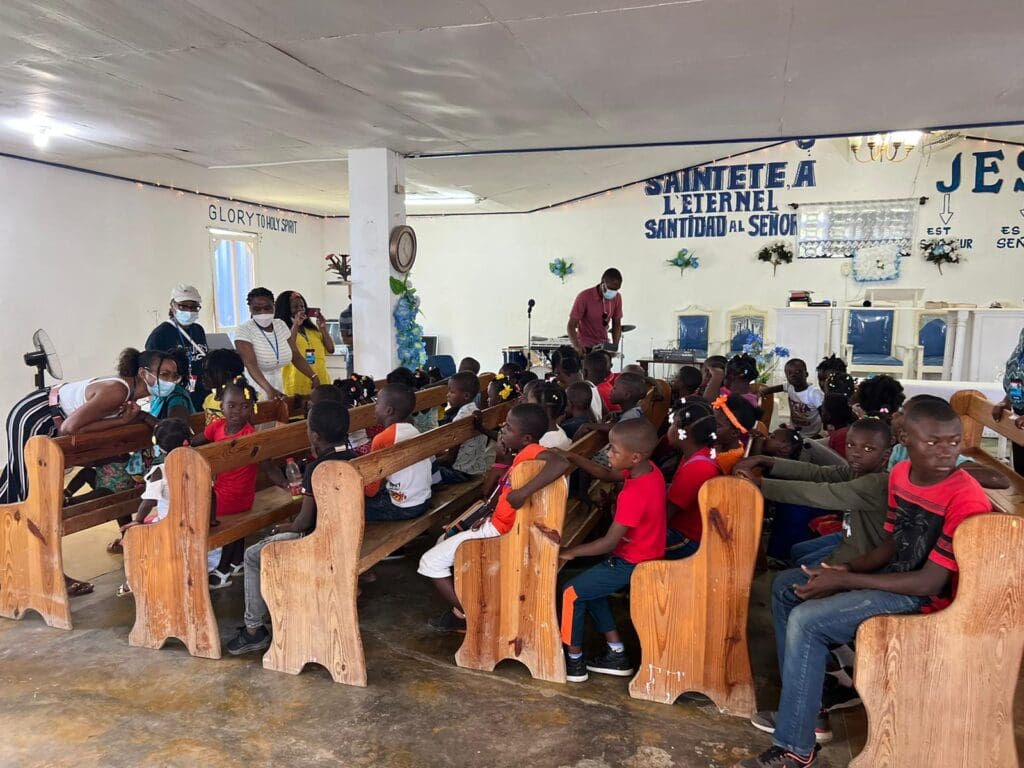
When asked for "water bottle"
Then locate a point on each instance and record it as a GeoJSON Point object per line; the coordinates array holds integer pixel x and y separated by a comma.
{"type": "Point", "coordinates": [293, 474]}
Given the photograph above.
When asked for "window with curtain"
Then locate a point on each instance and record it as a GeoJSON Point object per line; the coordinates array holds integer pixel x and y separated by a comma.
{"type": "Point", "coordinates": [234, 275]}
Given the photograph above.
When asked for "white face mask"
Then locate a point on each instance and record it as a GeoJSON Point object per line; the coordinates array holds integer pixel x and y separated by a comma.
{"type": "Point", "coordinates": [263, 320]}
{"type": "Point", "coordinates": [185, 318]}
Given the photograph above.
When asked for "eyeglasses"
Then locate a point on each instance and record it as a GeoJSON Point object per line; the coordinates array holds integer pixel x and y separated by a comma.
{"type": "Point", "coordinates": [188, 306]}
{"type": "Point", "coordinates": [170, 378]}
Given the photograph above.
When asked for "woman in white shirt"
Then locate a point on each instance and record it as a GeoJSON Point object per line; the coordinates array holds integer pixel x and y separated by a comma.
{"type": "Point", "coordinates": [267, 345]}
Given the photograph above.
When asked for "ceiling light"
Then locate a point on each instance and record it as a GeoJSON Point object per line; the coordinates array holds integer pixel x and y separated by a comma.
{"type": "Point", "coordinates": [40, 128]}
{"type": "Point", "coordinates": [41, 138]}
{"type": "Point", "coordinates": [885, 146]}
{"type": "Point", "coordinates": [446, 198]}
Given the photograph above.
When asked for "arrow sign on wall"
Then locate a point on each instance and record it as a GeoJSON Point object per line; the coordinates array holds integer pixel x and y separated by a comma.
{"type": "Point", "coordinates": [946, 214]}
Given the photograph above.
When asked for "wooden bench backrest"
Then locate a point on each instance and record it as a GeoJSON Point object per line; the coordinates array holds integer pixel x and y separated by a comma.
{"type": "Point", "coordinates": [82, 450]}
{"type": "Point", "coordinates": [657, 402]}
{"type": "Point", "coordinates": [914, 671]}
{"type": "Point", "coordinates": [319, 622]}
{"type": "Point", "coordinates": [31, 564]}
{"type": "Point", "coordinates": [691, 614]}
{"type": "Point", "coordinates": [976, 413]}
{"type": "Point", "coordinates": [506, 585]}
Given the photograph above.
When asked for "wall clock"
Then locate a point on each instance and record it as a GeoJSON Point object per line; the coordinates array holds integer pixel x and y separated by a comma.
{"type": "Point", "coordinates": [402, 248]}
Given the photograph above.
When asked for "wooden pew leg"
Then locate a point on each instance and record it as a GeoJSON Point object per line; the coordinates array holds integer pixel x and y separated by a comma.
{"type": "Point", "coordinates": [32, 571]}
{"type": "Point", "coordinates": [172, 595]}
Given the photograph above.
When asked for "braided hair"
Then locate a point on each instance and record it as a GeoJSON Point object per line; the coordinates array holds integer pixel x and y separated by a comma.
{"type": "Point", "coordinates": [838, 383]}
{"type": "Point", "coordinates": [695, 419]}
{"type": "Point", "coordinates": [242, 385]}
{"type": "Point", "coordinates": [551, 398]}
{"type": "Point", "coordinates": [880, 396]}
{"type": "Point", "coordinates": [356, 389]}
{"type": "Point", "coordinates": [743, 367]}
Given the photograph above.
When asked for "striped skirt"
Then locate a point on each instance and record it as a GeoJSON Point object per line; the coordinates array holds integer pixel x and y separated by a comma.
{"type": "Point", "coordinates": [30, 417]}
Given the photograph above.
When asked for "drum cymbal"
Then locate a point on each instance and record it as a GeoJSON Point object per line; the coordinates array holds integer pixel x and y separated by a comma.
{"type": "Point", "coordinates": [628, 328]}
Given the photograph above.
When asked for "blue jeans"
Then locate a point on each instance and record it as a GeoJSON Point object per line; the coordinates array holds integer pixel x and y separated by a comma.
{"type": "Point", "coordinates": [813, 551]}
{"type": "Point", "coordinates": [678, 546]}
{"type": "Point", "coordinates": [588, 593]}
{"type": "Point", "coordinates": [381, 509]}
{"type": "Point", "coordinates": [804, 631]}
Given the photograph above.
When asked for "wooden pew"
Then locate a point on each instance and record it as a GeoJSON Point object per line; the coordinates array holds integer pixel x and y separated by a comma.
{"type": "Point", "coordinates": [165, 563]}
{"type": "Point", "coordinates": [915, 672]}
{"type": "Point", "coordinates": [310, 584]}
{"type": "Point", "coordinates": [975, 414]}
{"type": "Point", "coordinates": [507, 585]}
{"type": "Point", "coordinates": [691, 614]}
{"type": "Point", "coordinates": [21, 585]}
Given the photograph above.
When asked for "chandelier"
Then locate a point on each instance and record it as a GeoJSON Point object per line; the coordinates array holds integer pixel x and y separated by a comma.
{"type": "Point", "coordinates": [894, 147]}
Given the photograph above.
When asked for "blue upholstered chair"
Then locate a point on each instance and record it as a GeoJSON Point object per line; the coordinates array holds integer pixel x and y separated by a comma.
{"type": "Point", "coordinates": [446, 364]}
{"type": "Point", "coordinates": [931, 344]}
{"type": "Point", "coordinates": [692, 329]}
{"type": "Point", "coordinates": [870, 343]}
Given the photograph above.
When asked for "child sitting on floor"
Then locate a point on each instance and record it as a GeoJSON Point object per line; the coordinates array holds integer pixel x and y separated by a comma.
{"type": "Point", "coordinates": [471, 459]}
{"type": "Point", "coordinates": [804, 398]}
{"type": "Point", "coordinates": [693, 433]}
{"type": "Point", "coordinates": [327, 429]}
{"type": "Point", "coordinates": [551, 398]}
{"type": "Point", "coordinates": [404, 494]}
{"type": "Point", "coordinates": [578, 411]}
{"type": "Point", "coordinates": [234, 491]}
{"type": "Point", "coordinates": [525, 425]}
{"type": "Point", "coordinates": [168, 435]}
{"type": "Point", "coordinates": [637, 534]}
{"type": "Point", "coordinates": [910, 572]}
{"type": "Point", "coordinates": [736, 418]}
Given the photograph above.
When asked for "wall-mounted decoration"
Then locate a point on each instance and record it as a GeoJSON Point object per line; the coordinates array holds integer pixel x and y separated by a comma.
{"type": "Point", "coordinates": [941, 250]}
{"type": "Point", "coordinates": [684, 260]}
{"type": "Point", "coordinates": [876, 263]}
{"type": "Point", "coordinates": [839, 229]}
{"type": "Point", "coordinates": [338, 267]}
{"type": "Point", "coordinates": [775, 254]}
{"type": "Point", "coordinates": [412, 351]}
{"type": "Point", "coordinates": [560, 268]}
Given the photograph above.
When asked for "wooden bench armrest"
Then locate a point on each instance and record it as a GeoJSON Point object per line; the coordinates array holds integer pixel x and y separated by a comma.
{"type": "Point", "coordinates": [976, 414]}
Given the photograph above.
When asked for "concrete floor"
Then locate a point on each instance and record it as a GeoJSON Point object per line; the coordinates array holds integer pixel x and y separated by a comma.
{"type": "Point", "coordinates": [85, 698]}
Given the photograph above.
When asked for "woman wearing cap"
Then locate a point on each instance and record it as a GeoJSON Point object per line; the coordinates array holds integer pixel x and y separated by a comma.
{"type": "Point", "coordinates": [182, 330]}
{"type": "Point", "coordinates": [313, 342]}
{"type": "Point", "coordinates": [267, 345]}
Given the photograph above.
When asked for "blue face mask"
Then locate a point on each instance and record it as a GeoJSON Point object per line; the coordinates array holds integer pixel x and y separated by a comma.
{"type": "Point", "coordinates": [608, 293]}
{"type": "Point", "coordinates": [161, 388]}
{"type": "Point", "coordinates": [185, 318]}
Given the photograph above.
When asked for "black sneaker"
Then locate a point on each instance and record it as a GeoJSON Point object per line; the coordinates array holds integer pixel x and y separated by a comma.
{"type": "Point", "coordinates": [836, 696]}
{"type": "Point", "coordinates": [576, 669]}
{"type": "Point", "coordinates": [611, 663]}
{"type": "Point", "coordinates": [776, 757]}
{"type": "Point", "coordinates": [765, 721]}
{"type": "Point", "coordinates": [447, 622]}
{"type": "Point", "coordinates": [243, 642]}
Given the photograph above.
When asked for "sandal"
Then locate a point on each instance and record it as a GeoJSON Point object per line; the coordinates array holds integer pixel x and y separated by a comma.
{"type": "Point", "coordinates": [237, 569]}
{"type": "Point", "coordinates": [77, 588]}
{"type": "Point", "coordinates": [218, 579]}
{"type": "Point", "coordinates": [124, 590]}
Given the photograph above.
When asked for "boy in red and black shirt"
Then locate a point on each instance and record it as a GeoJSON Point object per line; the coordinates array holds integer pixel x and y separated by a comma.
{"type": "Point", "coordinates": [636, 534]}
{"type": "Point", "coordinates": [910, 572]}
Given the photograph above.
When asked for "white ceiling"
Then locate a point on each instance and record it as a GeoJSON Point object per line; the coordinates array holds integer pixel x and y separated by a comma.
{"type": "Point", "coordinates": [161, 89]}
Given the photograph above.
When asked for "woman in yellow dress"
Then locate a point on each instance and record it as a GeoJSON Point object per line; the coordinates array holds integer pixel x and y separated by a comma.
{"type": "Point", "coordinates": [313, 342]}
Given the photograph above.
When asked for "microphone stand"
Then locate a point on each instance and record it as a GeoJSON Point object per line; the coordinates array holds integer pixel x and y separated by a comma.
{"type": "Point", "coordinates": [529, 335]}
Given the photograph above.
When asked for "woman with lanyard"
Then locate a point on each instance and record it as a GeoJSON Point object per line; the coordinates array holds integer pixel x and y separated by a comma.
{"type": "Point", "coordinates": [75, 408]}
{"type": "Point", "coordinates": [267, 345]}
{"type": "Point", "coordinates": [182, 330]}
{"type": "Point", "coordinates": [1013, 385]}
{"type": "Point", "coordinates": [313, 342]}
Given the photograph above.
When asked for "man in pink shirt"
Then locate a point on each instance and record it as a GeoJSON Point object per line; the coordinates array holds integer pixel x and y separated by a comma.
{"type": "Point", "coordinates": [592, 312]}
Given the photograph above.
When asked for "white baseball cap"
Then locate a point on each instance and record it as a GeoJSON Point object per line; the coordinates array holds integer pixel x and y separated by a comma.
{"type": "Point", "coordinates": [184, 292]}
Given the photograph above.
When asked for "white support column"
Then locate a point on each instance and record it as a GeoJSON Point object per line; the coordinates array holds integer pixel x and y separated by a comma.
{"type": "Point", "coordinates": [375, 208]}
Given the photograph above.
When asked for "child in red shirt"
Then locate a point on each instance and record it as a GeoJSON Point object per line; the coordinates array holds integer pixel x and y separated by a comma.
{"type": "Point", "coordinates": [637, 534]}
{"type": "Point", "coordinates": [235, 490]}
{"type": "Point", "coordinates": [598, 369]}
{"type": "Point", "coordinates": [693, 433]}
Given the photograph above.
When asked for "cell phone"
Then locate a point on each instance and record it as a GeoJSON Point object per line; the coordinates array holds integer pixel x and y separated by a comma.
{"type": "Point", "coordinates": [312, 311]}
{"type": "Point", "coordinates": [1015, 392]}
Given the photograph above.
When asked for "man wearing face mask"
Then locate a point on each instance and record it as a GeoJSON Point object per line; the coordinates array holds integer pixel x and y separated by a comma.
{"type": "Point", "coordinates": [594, 310]}
{"type": "Point", "coordinates": [181, 329]}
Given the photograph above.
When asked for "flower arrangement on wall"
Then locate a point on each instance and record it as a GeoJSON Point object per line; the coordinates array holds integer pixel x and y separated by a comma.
{"type": "Point", "coordinates": [941, 250]}
{"type": "Point", "coordinates": [412, 351]}
{"type": "Point", "coordinates": [767, 357]}
{"type": "Point", "coordinates": [560, 268]}
{"type": "Point", "coordinates": [685, 259]}
{"type": "Point", "coordinates": [338, 266]}
{"type": "Point", "coordinates": [874, 264]}
{"type": "Point", "coordinates": [775, 253]}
